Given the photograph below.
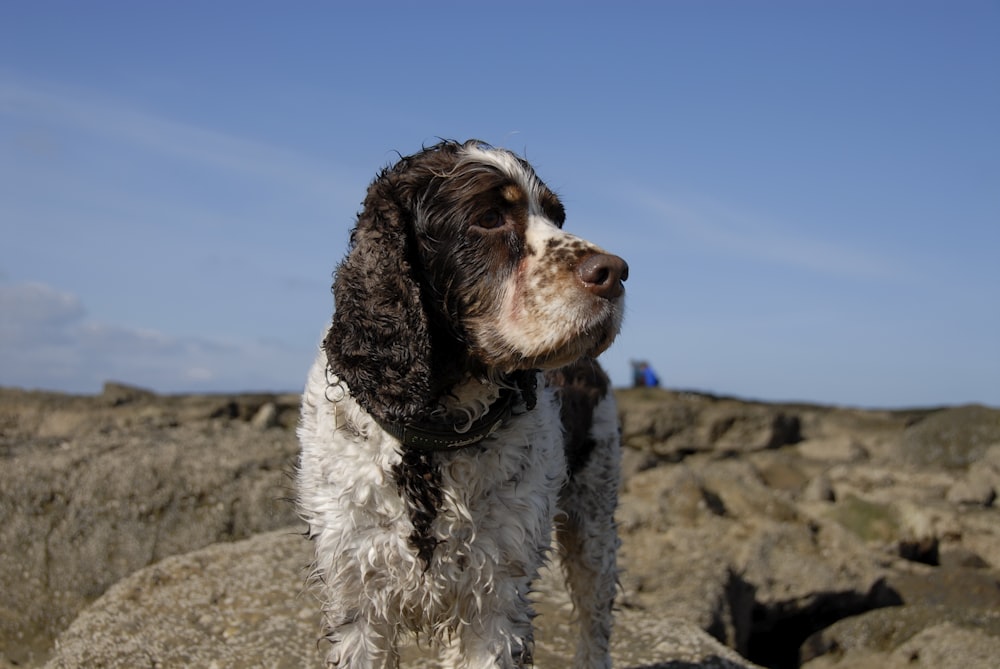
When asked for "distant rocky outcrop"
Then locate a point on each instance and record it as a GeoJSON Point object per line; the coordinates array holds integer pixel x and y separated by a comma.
{"type": "Point", "coordinates": [145, 530]}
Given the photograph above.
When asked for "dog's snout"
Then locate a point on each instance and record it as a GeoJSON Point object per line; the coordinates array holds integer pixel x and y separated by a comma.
{"type": "Point", "coordinates": [603, 274]}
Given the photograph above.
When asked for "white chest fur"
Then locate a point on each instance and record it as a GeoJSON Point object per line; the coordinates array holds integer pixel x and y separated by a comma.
{"type": "Point", "coordinates": [493, 525]}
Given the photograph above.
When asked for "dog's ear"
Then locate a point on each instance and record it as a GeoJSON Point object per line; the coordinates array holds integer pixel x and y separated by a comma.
{"type": "Point", "coordinates": [379, 342]}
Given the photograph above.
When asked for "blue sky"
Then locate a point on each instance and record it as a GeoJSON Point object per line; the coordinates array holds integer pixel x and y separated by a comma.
{"type": "Point", "coordinates": [807, 193]}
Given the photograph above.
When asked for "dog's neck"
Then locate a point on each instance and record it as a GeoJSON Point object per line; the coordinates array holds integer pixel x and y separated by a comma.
{"type": "Point", "coordinates": [470, 414]}
{"type": "Point", "coordinates": [466, 402]}
{"type": "Point", "coordinates": [472, 411]}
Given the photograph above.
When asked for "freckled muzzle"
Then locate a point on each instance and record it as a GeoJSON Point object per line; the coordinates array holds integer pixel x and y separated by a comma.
{"type": "Point", "coordinates": [579, 314]}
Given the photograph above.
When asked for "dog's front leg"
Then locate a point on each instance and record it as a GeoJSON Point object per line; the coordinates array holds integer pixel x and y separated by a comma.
{"type": "Point", "coordinates": [504, 651]}
{"type": "Point", "coordinates": [501, 635]}
{"type": "Point", "coordinates": [588, 557]}
{"type": "Point", "coordinates": [361, 644]}
{"type": "Point", "coordinates": [588, 545]}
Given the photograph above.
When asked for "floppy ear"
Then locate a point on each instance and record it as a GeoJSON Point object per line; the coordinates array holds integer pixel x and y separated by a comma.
{"type": "Point", "coordinates": [379, 342]}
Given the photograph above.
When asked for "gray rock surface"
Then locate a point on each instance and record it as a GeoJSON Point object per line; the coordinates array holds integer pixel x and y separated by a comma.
{"type": "Point", "coordinates": [882, 632]}
{"type": "Point", "coordinates": [143, 530]}
{"type": "Point", "coordinates": [956, 437]}
{"type": "Point", "coordinates": [691, 423]}
{"type": "Point", "coordinates": [239, 604]}
{"type": "Point", "coordinates": [94, 488]}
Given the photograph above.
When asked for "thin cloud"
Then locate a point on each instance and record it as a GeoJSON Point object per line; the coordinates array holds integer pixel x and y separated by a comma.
{"type": "Point", "coordinates": [86, 111]}
{"type": "Point", "coordinates": [736, 233]}
{"type": "Point", "coordinates": [47, 340]}
{"type": "Point", "coordinates": [31, 307]}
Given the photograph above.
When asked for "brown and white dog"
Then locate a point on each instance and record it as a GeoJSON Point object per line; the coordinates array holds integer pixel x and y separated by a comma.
{"type": "Point", "coordinates": [455, 416]}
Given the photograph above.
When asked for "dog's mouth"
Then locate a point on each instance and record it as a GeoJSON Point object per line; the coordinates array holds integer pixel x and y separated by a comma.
{"type": "Point", "coordinates": [590, 343]}
{"type": "Point", "coordinates": [561, 342]}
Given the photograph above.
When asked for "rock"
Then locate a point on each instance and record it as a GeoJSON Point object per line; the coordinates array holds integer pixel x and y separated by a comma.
{"type": "Point", "coordinates": [972, 492]}
{"type": "Point", "coordinates": [819, 489]}
{"type": "Point", "coordinates": [958, 588]}
{"type": "Point", "coordinates": [28, 418]}
{"type": "Point", "coordinates": [658, 418]}
{"type": "Point", "coordinates": [961, 557]}
{"type": "Point", "coordinates": [946, 646]}
{"type": "Point", "coordinates": [868, 520]}
{"type": "Point", "coordinates": [911, 636]}
{"type": "Point", "coordinates": [782, 470]}
{"type": "Point", "coordinates": [674, 425]}
{"type": "Point", "coordinates": [838, 448]}
{"type": "Point", "coordinates": [266, 416]}
{"type": "Point", "coordinates": [981, 484]}
{"type": "Point", "coordinates": [229, 605]}
{"type": "Point", "coordinates": [711, 542]}
{"type": "Point", "coordinates": [749, 428]}
{"type": "Point", "coordinates": [979, 531]}
{"type": "Point", "coordinates": [706, 591]}
{"type": "Point", "coordinates": [244, 604]}
{"type": "Point", "coordinates": [987, 470]}
{"type": "Point", "coordinates": [117, 394]}
{"type": "Point", "coordinates": [952, 437]}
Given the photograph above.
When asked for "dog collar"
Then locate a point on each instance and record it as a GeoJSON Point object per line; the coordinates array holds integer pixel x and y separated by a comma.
{"type": "Point", "coordinates": [430, 437]}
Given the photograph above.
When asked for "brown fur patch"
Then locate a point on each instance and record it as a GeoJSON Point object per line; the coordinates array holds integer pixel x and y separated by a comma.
{"type": "Point", "coordinates": [582, 385]}
{"type": "Point", "coordinates": [513, 194]}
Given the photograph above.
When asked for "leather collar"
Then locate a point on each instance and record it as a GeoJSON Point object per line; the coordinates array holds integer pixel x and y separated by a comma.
{"type": "Point", "coordinates": [433, 437]}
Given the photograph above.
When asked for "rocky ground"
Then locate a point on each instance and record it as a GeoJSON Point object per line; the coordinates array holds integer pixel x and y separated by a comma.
{"type": "Point", "coordinates": [139, 530]}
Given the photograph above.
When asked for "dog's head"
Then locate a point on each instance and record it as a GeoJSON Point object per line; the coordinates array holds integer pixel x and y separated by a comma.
{"type": "Point", "coordinates": [459, 264]}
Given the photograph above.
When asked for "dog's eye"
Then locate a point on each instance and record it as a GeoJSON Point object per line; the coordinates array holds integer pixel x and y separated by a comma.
{"type": "Point", "coordinates": [492, 218]}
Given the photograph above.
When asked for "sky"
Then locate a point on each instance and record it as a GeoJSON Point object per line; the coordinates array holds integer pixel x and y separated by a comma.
{"type": "Point", "coordinates": [807, 193]}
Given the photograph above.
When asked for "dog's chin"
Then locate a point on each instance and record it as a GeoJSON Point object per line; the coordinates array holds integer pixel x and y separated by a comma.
{"type": "Point", "coordinates": [587, 345]}
{"type": "Point", "coordinates": [598, 345]}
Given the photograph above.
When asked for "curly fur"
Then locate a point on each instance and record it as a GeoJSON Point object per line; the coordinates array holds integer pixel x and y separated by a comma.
{"type": "Point", "coordinates": [458, 286]}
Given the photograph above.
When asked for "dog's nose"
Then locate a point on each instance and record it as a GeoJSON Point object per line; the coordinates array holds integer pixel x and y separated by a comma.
{"type": "Point", "coordinates": [603, 274]}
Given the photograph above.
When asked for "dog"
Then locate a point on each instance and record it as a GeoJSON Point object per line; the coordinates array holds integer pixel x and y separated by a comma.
{"type": "Point", "coordinates": [455, 418]}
